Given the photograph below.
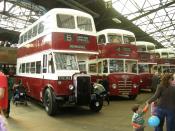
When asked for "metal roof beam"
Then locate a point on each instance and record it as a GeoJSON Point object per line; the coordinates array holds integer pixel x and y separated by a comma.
{"type": "Point", "coordinates": [76, 5]}
{"type": "Point", "coordinates": [29, 5]}
{"type": "Point", "coordinates": [153, 10]}
{"type": "Point", "coordinates": [11, 15]}
{"type": "Point", "coordinates": [160, 29]}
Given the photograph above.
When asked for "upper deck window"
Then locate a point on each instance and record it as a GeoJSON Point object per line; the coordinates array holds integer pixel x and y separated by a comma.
{"type": "Point", "coordinates": [34, 31]}
{"type": "Point", "coordinates": [150, 48]}
{"type": "Point", "coordinates": [128, 39]}
{"type": "Point", "coordinates": [84, 23]}
{"type": "Point", "coordinates": [29, 34]}
{"type": "Point", "coordinates": [40, 27]}
{"type": "Point", "coordinates": [65, 61]}
{"type": "Point", "coordinates": [164, 55]}
{"type": "Point", "coordinates": [171, 55]}
{"type": "Point", "coordinates": [141, 48]}
{"type": "Point", "coordinates": [65, 21]}
{"type": "Point", "coordinates": [113, 38]}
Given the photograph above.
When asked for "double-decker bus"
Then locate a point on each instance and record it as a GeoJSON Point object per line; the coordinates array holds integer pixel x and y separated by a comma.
{"type": "Point", "coordinates": [8, 56]}
{"type": "Point", "coordinates": [47, 59]}
{"type": "Point", "coordinates": [165, 58]}
{"type": "Point", "coordinates": [146, 63]}
{"type": "Point", "coordinates": [118, 60]}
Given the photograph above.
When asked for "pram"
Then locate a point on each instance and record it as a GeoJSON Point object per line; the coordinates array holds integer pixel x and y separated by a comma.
{"type": "Point", "coordinates": [19, 95]}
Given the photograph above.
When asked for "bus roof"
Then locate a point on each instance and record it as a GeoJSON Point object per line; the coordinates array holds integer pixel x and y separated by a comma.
{"type": "Point", "coordinates": [117, 31]}
{"type": "Point", "coordinates": [55, 11]}
{"type": "Point", "coordinates": [164, 50]}
{"type": "Point", "coordinates": [148, 44]}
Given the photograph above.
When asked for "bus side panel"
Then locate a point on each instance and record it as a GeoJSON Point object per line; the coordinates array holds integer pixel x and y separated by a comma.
{"type": "Point", "coordinates": [33, 47]}
{"type": "Point", "coordinates": [36, 85]}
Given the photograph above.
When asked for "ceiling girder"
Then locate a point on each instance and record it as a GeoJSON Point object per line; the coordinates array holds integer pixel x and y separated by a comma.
{"type": "Point", "coordinates": [161, 29]}
{"type": "Point", "coordinates": [11, 15]}
{"type": "Point", "coordinates": [152, 11]}
{"type": "Point", "coordinates": [76, 5]}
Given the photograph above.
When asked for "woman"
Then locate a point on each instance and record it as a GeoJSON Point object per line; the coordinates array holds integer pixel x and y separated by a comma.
{"type": "Point", "coordinates": [165, 96]}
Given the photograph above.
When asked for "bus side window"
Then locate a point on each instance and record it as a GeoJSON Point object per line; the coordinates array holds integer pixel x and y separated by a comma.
{"type": "Point", "coordinates": [92, 68]}
{"type": "Point", "coordinates": [101, 39]}
{"type": "Point", "coordinates": [105, 66]}
{"type": "Point", "coordinates": [99, 67]}
{"type": "Point", "coordinates": [50, 64]}
{"type": "Point", "coordinates": [38, 67]}
{"type": "Point", "coordinates": [44, 63]}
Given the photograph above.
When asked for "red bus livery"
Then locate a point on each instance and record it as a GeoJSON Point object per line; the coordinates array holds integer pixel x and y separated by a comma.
{"type": "Point", "coordinates": [47, 59]}
{"type": "Point", "coordinates": [117, 60]}
{"type": "Point", "coordinates": [165, 58]}
{"type": "Point", "coordinates": [146, 63]}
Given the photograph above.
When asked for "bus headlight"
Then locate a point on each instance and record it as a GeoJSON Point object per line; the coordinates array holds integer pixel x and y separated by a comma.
{"type": "Point", "coordinates": [135, 85]}
{"type": "Point", "coordinates": [71, 87]}
{"type": "Point", "coordinates": [114, 86]}
{"type": "Point", "coordinates": [141, 80]}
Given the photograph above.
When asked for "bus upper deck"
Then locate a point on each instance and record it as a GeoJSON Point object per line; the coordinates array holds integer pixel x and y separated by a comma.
{"type": "Point", "coordinates": [58, 30]}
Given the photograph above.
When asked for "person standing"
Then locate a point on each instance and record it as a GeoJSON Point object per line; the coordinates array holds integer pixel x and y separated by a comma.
{"type": "Point", "coordinates": [10, 91]}
{"type": "Point", "coordinates": [155, 81]}
{"type": "Point", "coordinates": [3, 100]}
{"type": "Point", "coordinates": [105, 84]}
{"type": "Point", "coordinates": [3, 92]}
{"type": "Point", "coordinates": [165, 97]}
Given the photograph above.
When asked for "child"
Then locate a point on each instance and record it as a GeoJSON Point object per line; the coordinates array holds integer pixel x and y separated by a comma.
{"type": "Point", "coordinates": [137, 118]}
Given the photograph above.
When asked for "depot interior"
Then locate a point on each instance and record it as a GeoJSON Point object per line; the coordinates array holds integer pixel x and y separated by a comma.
{"type": "Point", "coordinates": [150, 21]}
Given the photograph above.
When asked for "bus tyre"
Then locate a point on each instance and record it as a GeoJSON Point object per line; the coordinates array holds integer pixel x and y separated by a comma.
{"type": "Point", "coordinates": [50, 102]}
{"type": "Point", "coordinates": [96, 106]}
{"type": "Point", "coordinates": [132, 97]}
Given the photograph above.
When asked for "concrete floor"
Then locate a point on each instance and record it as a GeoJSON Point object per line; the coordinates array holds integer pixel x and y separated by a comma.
{"type": "Point", "coordinates": [115, 117]}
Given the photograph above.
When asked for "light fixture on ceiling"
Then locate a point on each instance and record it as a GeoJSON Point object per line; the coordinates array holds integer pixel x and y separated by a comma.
{"type": "Point", "coordinates": [116, 20]}
{"type": "Point", "coordinates": [108, 3]}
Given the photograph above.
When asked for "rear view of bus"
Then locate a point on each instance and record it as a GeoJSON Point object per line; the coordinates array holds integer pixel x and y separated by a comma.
{"type": "Point", "coordinates": [48, 58]}
{"type": "Point", "coordinates": [118, 61]}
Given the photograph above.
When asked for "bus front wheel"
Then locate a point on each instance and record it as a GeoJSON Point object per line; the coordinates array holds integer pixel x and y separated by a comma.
{"type": "Point", "coordinates": [49, 102]}
{"type": "Point", "coordinates": [132, 97]}
{"type": "Point", "coordinates": [96, 106]}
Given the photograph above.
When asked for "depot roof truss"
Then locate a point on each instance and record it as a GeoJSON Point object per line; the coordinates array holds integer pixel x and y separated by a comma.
{"type": "Point", "coordinates": [18, 14]}
{"type": "Point", "coordinates": [155, 17]}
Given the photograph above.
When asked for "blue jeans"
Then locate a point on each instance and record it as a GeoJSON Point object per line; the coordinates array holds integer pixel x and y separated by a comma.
{"type": "Point", "coordinates": [167, 114]}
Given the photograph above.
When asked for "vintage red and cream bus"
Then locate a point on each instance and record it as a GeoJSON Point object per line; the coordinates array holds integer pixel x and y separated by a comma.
{"type": "Point", "coordinates": [118, 60]}
{"type": "Point", "coordinates": [165, 58]}
{"type": "Point", "coordinates": [48, 55]}
{"type": "Point", "coordinates": [146, 63]}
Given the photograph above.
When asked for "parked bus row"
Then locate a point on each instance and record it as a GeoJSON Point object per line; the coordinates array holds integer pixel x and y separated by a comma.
{"type": "Point", "coordinates": [61, 59]}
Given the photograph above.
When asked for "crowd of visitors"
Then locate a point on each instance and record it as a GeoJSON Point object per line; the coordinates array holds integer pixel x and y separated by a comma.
{"type": "Point", "coordinates": [8, 44]}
